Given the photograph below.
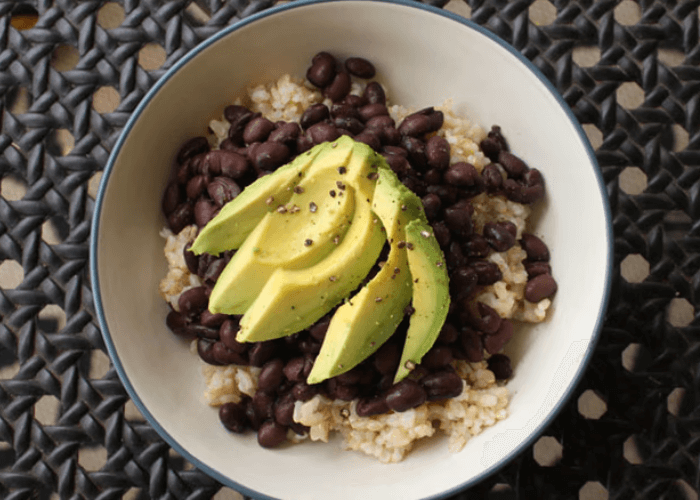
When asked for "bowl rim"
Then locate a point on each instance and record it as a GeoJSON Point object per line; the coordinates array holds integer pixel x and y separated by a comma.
{"type": "Point", "coordinates": [195, 51]}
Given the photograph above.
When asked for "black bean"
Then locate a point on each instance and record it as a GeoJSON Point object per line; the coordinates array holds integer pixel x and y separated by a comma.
{"type": "Point", "coordinates": [513, 190]}
{"type": "Point", "coordinates": [360, 67]}
{"type": "Point", "coordinates": [531, 194]}
{"type": "Point", "coordinates": [433, 177]}
{"type": "Point", "coordinates": [494, 143]}
{"type": "Point", "coordinates": [535, 248]}
{"type": "Point", "coordinates": [461, 174]}
{"type": "Point", "coordinates": [212, 320]}
{"type": "Point", "coordinates": [458, 218]}
{"type": "Point", "coordinates": [356, 101]}
{"type": "Point", "coordinates": [314, 114]}
{"type": "Point", "coordinates": [303, 391]}
{"type": "Point", "coordinates": [483, 318]}
{"type": "Point", "coordinates": [257, 130]}
{"type": "Point", "coordinates": [391, 136]}
{"type": "Point", "coordinates": [172, 197]}
{"type": "Point", "coordinates": [476, 246]}
{"type": "Point", "coordinates": [270, 155]}
{"type": "Point", "coordinates": [437, 357]}
{"type": "Point", "coordinates": [344, 392]}
{"type": "Point", "coordinates": [262, 352]}
{"type": "Point", "coordinates": [177, 323]}
{"type": "Point", "coordinates": [294, 369]}
{"type": "Point", "coordinates": [342, 110]}
{"type": "Point", "coordinates": [472, 345]}
{"type": "Point", "coordinates": [193, 301]}
{"type": "Point", "coordinates": [339, 87]}
{"type": "Point", "coordinates": [499, 236]}
{"type": "Point", "coordinates": [264, 405]}
{"type": "Point", "coordinates": [513, 165]}
{"type": "Point", "coordinates": [374, 93]}
{"type": "Point", "coordinates": [351, 377]}
{"type": "Point", "coordinates": [442, 233]}
{"type": "Point", "coordinates": [323, 132]}
{"type": "Point", "coordinates": [416, 152]}
{"type": "Point", "coordinates": [499, 364]}
{"type": "Point", "coordinates": [397, 163]}
{"type": "Point", "coordinates": [432, 205]}
{"type": "Point", "coordinates": [234, 113]}
{"type": "Point", "coordinates": [370, 138]}
{"type": "Point", "coordinates": [181, 217]}
{"type": "Point", "coordinates": [191, 260]}
{"type": "Point", "coordinates": [204, 211]}
{"type": "Point", "coordinates": [495, 341]}
{"type": "Point", "coordinates": [421, 122]}
{"type": "Point", "coordinates": [222, 190]}
{"type": "Point", "coordinates": [437, 150]}
{"type": "Point", "coordinates": [202, 331]}
{"type": "Point", "coordinates": [492, 178]}
{"type": "Point", "coordinates": [227, 334]}
{"type": "Point", "coordinates": [233, 417]}
{"type": "Point", "coordinates": [225, 356]}
{"type": "Point", "coordinates": [196, 186]}
{"type": "Point", "coordinates": [322, 69]}
{"type": "Point", "coordinates": [271, 375]}
{"type": "Point", "coordinates": [367, 407]}
{"type": "Point", "coordinates": [386, 359]}
{"type": "Point", "coordinates": [226, 163]}
{"type": "Point", "coordinates": [414, 125]}
{"type": "Point", "coordinates": [405, 395]}
{"type": "Point", "coordinates": [463, 281]}
{"type": "Point", "coordinates": [271, 434]}
{"type": "Point", "coordinates": [286, 133]}
{"type": "Point", "coordinates": [318, 330]}
{"type": "Point", "coordinates": [448, 334]}
{"type": "Point", "coordinates": [454, 256]}
{"type": "Point", "coordinates": [253, 419]}
{"type": "Point", "coordinates": [205, 260]}
{"type": "Point", "coordinates": [284, 410]}
{"type": "Point", "coordinates": [352, 125]}
{"type": "Point", "coordinates": [380, 122]}
{"type": "Point", "coordinates": [206, 352]}
{"type": "Point", "coordinates": [540, 287]}
{"type": "Point", "coordinates": [536, 268]}
{"type": "Point", "coordinates": [369, 111]}
{"type": "Point", "coordinates": [395, 150]}
{"type": "Point", "coordinates": [444, 384]}
{"type": "Point", "coordinates": [304, 143]}
{"type": "Point", "coordinates": [191, 148]}
{"type": "Point", "coordinates": [488, 272]}
{"type": "Point", "coordinates": [533, 177]}
{"type": "Point", "coordinates": [309, 346]}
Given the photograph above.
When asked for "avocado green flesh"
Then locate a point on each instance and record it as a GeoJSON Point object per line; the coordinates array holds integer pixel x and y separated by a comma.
{"type": "Point", "coordinates": [431, 297]}
{"type": "Point", "coordinates": [237, 219]}
{"type": "Point", "coordinates": [361, 325]}
{"type": "Point", "coordinates": [296, 238]}
{"type": "Point", "coordinates": [292, 300]}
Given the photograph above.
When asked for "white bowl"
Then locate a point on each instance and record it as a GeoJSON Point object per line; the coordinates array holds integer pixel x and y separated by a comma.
{"type": "Point", "coordinates": [424, 56]}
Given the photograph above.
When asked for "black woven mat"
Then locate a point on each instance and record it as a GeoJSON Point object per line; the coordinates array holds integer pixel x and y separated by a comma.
{"type": "Point", "coordinates": [639, 440]}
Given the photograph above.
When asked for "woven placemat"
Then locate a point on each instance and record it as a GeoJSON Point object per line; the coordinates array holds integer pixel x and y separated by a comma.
{"type": "Point", "coordinates": [630, 72]}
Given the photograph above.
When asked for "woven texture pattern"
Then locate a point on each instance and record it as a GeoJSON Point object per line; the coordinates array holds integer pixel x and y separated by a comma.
{"type": "Point", "coordinates": [635, 85]}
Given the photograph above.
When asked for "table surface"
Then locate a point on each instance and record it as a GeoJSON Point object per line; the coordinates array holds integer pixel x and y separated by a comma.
{"type": "Point", "coordinates": [69, 78]}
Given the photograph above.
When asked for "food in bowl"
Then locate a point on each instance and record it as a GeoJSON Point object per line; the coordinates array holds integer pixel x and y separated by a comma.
{"type": "Point", "coordinates": [475, 195]}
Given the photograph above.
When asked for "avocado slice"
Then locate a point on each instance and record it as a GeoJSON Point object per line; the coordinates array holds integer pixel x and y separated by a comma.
{"type": "Point", "coordinates": [294, 298]}
{"type": "Point", "coordinates": [361, 325]}
{"type": "Point", "coordinates": [431, 297]}
{"type": "Point", "coordinates": [294, 237]}
{"type": "Point", "coordinates": [237, 219]}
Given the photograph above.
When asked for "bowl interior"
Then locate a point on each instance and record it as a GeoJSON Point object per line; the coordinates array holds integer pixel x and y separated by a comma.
{"type": "Point", "coordinates": [444, 59]}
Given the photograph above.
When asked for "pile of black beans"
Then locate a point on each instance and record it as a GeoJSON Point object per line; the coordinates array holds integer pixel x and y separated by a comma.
{"type": "Point", "coordinates": [204, 180]}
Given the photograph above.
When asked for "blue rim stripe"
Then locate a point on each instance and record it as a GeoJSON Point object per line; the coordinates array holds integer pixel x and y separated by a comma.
{"type": "Point", "coordinates": [215, 38]}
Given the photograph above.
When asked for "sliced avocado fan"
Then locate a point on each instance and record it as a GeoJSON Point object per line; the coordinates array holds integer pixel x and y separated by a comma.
{"type": "Point", "coordinates": [308, 235]}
